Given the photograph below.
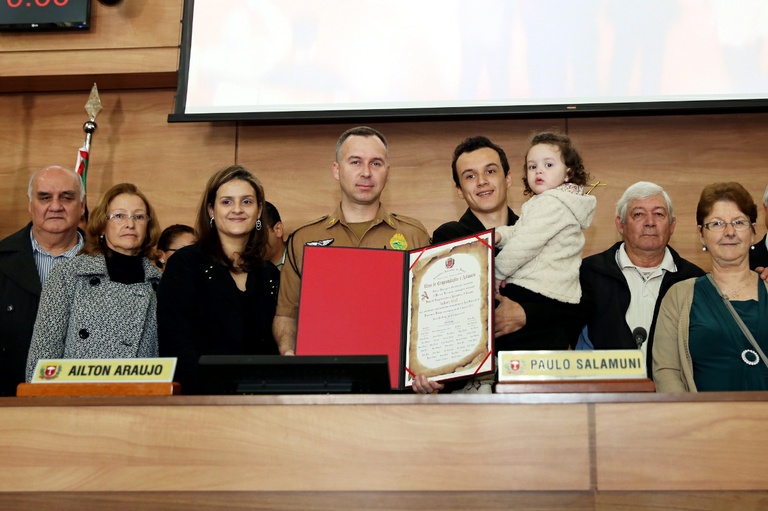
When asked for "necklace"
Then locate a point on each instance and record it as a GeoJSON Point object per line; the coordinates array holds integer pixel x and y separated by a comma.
{"type": "Point", "coordinates": [733, 292]}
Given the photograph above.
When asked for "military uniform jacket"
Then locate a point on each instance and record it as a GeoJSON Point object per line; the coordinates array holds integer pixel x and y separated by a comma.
{"type": "Point", "coordinates": [19, 297]}
{"type": "Point", "coordinates": [83, 314]}
{"type": "Point", "coordinates": [388, 231]}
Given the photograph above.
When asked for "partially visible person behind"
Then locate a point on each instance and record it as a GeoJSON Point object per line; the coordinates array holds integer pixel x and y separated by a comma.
{"type": "Point", "coordinates": [275, 231]}
{"type": "Point", "coordinates": [56, 198]}
{"type": "Point", "coordinates": [758, 255]}
{"type": "Point", "coordinates": [173, 238]}
{"type": "Point", "coordinates": [360, 220]}
{"type": "Point", "coordinates": [102, 303]}
{"type": "Point", "coordinates": [218, 296]}
{"type": "Point", "coordinates": [705, 324]}
{"type": "Point", "coordinates": [622, 287]}
{"type": "Point", "coordinates": [541, 254]}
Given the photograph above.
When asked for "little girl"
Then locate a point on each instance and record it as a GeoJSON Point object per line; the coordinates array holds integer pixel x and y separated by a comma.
{"type": "Point", "coordinates": [541, 254]}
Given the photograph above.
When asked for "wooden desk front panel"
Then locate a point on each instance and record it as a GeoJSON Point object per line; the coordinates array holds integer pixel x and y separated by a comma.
{"type": "Point", "coordinates": [366, 447]}
{"type": "Point", "coordinates": [681, 446]}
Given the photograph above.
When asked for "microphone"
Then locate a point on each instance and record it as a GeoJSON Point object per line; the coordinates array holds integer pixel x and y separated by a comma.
{"type": "Point", "coordinates": [639, 334]}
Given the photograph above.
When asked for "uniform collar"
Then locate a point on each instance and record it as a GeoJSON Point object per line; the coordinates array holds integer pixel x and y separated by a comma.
{"type": "Point", "coordinates": [382, 216]}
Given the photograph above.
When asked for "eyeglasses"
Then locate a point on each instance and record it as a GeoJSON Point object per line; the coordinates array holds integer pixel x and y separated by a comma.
{"type": "Point", "coordinates": [719, 225]}
{"type": "Point", "coordinates": [121, 218]}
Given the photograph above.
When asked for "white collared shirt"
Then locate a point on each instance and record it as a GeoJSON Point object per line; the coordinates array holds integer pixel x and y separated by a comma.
{"type": "Point", "coordinates": [644, 285]}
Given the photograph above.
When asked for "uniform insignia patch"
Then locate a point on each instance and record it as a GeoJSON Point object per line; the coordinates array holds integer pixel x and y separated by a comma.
{"type": "Point", "coordinates": [398, 242]}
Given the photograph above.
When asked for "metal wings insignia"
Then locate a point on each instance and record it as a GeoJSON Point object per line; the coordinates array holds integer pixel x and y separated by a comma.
{"type": "Point", "coordinates": [320, 243]}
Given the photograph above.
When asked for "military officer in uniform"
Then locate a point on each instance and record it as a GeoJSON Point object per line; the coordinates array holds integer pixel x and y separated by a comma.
{"type": "Point", "coordinates": [360, 220]}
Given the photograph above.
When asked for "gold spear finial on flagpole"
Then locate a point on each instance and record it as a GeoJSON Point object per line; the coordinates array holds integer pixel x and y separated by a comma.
{"type": "Point", "coordinates": [92, 108]}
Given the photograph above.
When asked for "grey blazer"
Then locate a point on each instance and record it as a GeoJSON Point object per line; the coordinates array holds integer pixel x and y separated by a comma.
{"type": "Point", "coordinates": [83, 314]}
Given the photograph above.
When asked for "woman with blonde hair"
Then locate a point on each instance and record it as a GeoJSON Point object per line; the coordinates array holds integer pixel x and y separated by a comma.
{"type": "Point", "coordinates": [102, 303]}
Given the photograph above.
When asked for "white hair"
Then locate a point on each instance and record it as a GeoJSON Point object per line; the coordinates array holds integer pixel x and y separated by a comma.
{"type": "Point", "coordinates": [80, 187]}
{"type": "Point", "coordinates": [642, 190]}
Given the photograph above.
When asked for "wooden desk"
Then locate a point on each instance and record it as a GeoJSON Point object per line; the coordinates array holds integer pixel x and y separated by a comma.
{"type": "Point", "coordinates": [514, 451]}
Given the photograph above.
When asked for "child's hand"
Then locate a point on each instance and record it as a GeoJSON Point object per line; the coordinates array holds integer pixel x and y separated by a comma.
{"type": "Point", "coordinates": [496, 238]}
{"type": "Point", "coordinates": [498, 285]}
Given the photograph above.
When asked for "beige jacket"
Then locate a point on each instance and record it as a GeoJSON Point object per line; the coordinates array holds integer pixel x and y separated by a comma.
{"type": "Point", "coordinates": [672, 365]}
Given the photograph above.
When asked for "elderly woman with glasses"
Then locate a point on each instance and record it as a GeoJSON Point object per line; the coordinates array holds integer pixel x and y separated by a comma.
{"type": "Point", "coordinates": [712, 331]}
{"type": "Point", "coordinates": [102, 303]}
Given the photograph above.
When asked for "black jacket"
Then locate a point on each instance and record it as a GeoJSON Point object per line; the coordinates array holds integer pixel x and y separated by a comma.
{"type": "Point", "coordinates": [19, 298]}
{"type": "Point", "coordinates": [605, 296]}
{"type": "Point", "coordinates": [200, 311]}
{"type": "Point", "coordinates": [468, 224]}
{"type": "Point", "coordinates": [758, 256]}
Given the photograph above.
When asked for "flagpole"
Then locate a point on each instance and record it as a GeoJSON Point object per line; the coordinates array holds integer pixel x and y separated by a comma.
{"type": "Point", "coordinates": [92, 108]}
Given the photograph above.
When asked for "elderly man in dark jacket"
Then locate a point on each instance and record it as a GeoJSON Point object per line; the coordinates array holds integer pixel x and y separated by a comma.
{"type": "Point", "coordinates": [622, 287]}
{"type": "Point", "coordinates": [56, 203]}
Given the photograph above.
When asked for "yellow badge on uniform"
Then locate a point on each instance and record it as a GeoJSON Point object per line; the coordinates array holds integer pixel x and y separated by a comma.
{"type": "Point", "coordinates": [398, 242]}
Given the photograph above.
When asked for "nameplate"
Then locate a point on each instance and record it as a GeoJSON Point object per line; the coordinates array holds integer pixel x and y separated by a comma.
{"type": "Point", "coordinates": [112, 370]}
{"type": "Point", "coordinates": [571, 365]}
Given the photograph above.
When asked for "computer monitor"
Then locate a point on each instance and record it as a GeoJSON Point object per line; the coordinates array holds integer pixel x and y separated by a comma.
{"type": "Point", "coordinates": [275, 374]}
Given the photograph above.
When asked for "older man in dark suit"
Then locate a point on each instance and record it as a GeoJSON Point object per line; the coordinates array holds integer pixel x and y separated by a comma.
{"type": "Point", "coordinates": [56, 203]}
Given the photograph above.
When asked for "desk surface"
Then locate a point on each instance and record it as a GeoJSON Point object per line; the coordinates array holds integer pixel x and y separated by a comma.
{"type": "Point", "coordinates": [387, 399]}
{"type": "Point", "coordinates": [563, 448]}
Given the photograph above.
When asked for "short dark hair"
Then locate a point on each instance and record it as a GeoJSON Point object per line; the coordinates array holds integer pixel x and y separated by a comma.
{"type": "Point", "coordinates": [359, 131]}
{"type": "Point", "coordinates": [571, 157]}
{"type": "Point", "coordinates": [728, 192]}
{"type": "Point", "coordinates": [472, 144]}
{"type": "Point", "coordinates": [270, 214]}
{"type": "Point", "coordinates": [170, 233]}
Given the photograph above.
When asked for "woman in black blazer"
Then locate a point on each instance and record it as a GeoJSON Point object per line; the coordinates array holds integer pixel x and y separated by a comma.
{"type": "Point", "coordinates": [218, 296]}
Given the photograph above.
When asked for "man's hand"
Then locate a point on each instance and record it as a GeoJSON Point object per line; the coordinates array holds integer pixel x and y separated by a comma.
{"type": "Point", "coordinates": [284, 331]}
{"type": "Point", "coordinates": [763, 272]}
{"type": "Point", "coordinates": [508, 317]}
{"type": "Point", "coordinates": [421, 385]}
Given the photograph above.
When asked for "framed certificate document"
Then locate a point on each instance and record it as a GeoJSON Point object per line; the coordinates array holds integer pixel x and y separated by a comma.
{"type": "Point", "coordinates": [430, 310]}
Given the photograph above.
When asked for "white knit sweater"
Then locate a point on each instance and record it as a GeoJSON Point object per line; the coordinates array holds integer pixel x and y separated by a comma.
{"type": "Point", "coordinates": [542, 251]}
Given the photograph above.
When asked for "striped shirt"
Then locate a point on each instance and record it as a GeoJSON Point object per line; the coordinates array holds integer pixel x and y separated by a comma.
{"type": "Point", "coordinates": [46, 261]}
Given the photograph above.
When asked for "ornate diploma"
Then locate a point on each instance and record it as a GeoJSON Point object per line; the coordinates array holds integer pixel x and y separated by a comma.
{"type": "Point", "coordinates": [450, 332]}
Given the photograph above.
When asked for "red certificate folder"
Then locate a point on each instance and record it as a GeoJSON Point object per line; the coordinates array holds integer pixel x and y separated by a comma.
{"type": "Point", "coordinates": [360, 301]}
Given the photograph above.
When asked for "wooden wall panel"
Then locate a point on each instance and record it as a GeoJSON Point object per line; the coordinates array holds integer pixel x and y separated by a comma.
{"type": "Point", "coordinates": [128, 44]}
{"type": "Point", "coordinates": [129, 24]}
{"type": "Point", "coordinates": [682, 153]}
{"type": "Point", "coordinates": [133, 142]}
